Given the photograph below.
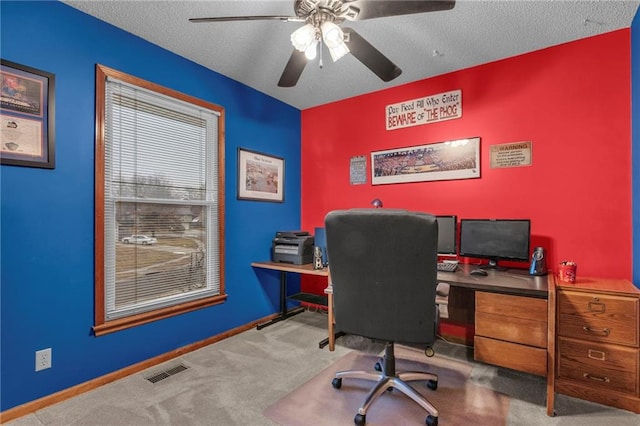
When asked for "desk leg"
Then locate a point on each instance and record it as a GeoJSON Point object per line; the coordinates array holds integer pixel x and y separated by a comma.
{"type": "Point", "coordinates": [331, 340]}
{"type": "Point", "coordinates": [284, 314]}
{"type": "Point", "coordinates": [333, 335]}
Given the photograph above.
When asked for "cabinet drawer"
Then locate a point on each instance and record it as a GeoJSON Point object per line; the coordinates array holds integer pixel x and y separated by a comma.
{"type": "Point", "coordinates": [599, 365]}
{"type": "Point", "coordinates": [531, 308]}
{"type": "Point", "coordinates": [516, 330]}
{"type": "Point", "coordinates": [598, 317]}
{"type": "Point", "coordinates": [510, 355]}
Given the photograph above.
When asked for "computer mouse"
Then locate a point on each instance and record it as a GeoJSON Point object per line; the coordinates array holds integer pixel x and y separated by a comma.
{"type": "Point", "coordinates": [479, 272]}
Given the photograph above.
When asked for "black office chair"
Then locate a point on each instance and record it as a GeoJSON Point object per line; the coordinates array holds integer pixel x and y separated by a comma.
{"type": "Point", "coordinates": [383, 271]}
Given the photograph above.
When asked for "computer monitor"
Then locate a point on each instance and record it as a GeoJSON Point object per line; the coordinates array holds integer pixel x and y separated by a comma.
{"type": "Point", "coordinates": [495, 239]}
{"type": "Point", "coordinates": [447, 227]}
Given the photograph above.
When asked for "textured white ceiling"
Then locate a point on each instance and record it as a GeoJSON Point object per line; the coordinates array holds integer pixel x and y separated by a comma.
{"type": "Point", "coordinates": [255, 52]}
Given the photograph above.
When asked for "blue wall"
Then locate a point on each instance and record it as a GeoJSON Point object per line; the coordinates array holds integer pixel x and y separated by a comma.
{"type": "Point", "coordinates": [47, 215]}
{"type": "Point", "coordinates": [635, 143]}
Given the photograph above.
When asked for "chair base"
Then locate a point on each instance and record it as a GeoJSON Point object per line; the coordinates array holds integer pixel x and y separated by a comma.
{"type": "Point", "coordinates": [388, 378]}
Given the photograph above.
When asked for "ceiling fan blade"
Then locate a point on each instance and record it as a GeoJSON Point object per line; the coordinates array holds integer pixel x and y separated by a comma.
{"type": "Point", "coordinates": [369, 9]}
{"type": "Point", "coordinates": [247, 18]}
{"type": "Point", "coordinates": [371, 57]}
{"type": "Point", "coordinates": [293, 69]}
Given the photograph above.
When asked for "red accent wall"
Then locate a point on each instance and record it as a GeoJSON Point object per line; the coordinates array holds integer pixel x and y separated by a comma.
{"type": "Point", "coordinates": [572, 101]}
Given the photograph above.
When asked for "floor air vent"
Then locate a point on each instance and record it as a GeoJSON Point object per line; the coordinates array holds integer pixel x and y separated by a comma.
{"type": "Point", "coordinates": [161, 375]}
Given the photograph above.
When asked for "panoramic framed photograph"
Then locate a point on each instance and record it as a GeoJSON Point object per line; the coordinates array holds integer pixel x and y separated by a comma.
{"type": "Point", "coordinates": [260, 176]}
{"type": "Point", "coordinates": [457, 159]}
{"type": "Point", "coordinates": [27, 116]}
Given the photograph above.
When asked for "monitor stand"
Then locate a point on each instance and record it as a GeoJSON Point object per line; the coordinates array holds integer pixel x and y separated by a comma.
{"type": "Point", "coordinates": [493, 264]}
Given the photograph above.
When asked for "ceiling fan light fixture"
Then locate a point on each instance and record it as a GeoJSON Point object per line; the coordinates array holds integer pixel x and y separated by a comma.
{"type": "Point", "coordinates": [332, 34]}
{"type": "Point", "coordinates": [333, 37]}
{"type": "Point", "coordinates": [303, 37]}
{"type": "Point", "coordinates": [321, 20]}
{"type": "Point", "coordinates": [339, 51]}
{"type": "Point", "coordinates": [312, 50]}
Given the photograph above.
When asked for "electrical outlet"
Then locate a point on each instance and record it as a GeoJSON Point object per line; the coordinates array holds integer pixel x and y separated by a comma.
{"type": "Point", "coordinates": [43, 359]}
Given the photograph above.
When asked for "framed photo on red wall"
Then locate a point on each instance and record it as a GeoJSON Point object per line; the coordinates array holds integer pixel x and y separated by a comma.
{"type": "Point", "coordinates": [456, 159]}
{"type": "Point", "coordinates": [27, 116]}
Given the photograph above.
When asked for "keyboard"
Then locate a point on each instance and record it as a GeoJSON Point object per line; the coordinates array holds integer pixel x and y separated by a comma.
{"type": "Point", "coordinates": [447, 267]}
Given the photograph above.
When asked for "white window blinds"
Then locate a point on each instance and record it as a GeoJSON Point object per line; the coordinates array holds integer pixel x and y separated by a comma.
{"type": "Point", "coordinates": [161, 230]}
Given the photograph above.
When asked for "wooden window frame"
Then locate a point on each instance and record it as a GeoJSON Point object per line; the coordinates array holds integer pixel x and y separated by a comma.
{"type": "Point", "coordinates": [101, 324]}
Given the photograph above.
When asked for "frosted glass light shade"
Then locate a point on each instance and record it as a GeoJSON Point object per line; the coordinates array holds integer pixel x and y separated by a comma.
{"type": "Point", "coordinates": [332, 34]}
{"type": "Point", "coordinates": [334, 39]}
{"type": "Point", "coordinates": [339, 51]}
{"type": "Point", "coordinates": [303, 37]}
{"type": "Point", "coordinates": [312, 50]}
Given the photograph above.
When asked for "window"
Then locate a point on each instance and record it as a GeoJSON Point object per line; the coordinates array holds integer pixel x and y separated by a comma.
{"type": "Point", "coordinates": [159, 202]}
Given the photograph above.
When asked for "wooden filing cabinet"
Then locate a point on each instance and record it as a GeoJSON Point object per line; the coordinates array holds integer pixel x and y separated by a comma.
{"type": "Point", "coordinates": [511, 331]}
{"type": "Point", "coordinates": [598, 342]}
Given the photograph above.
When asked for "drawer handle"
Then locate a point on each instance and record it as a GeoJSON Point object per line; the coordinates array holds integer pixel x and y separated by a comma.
{"type": "Point", "coordinates": [603, 331]}
{"type": "Point", "coordinates": [597, 355]}
{"type": "Point", "coordinates": [598, 307]}
{"type": "Point", "coordinates": [599, 379]}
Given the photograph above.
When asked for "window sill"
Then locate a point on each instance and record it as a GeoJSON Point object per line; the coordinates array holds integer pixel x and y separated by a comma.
{"type": "Point", "coordinates": [147, 317]}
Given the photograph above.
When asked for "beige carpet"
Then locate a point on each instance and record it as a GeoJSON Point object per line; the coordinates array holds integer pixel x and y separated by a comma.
{"type": "Point", "coordinates": [458, 401]}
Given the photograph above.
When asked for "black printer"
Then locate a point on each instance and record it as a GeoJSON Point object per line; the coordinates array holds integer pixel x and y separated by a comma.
{"type": "Point", "coordinates": [292, 247]}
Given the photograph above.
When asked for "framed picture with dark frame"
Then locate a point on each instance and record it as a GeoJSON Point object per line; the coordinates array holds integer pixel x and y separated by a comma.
{"type": "Point", "coordinates": [260, 176]}
{"type": "Point", "coordinates": [456, 159]}
{"type": "Point", "coordinates": [27, 116]}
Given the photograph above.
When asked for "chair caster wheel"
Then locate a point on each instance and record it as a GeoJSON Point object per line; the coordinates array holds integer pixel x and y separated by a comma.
{"type": "Point", "coordinates": [432, 384]}
{"type": "Point", "coordinates": [378, 366]}
{"type": "Point", "coordinates": [360, 420]}
{"type": "Point", "coordinates": [431, 421]}
{"type": "Point", "coordinates": [336, 383]}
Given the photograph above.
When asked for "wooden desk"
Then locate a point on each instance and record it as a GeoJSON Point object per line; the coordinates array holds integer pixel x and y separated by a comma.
{"type": "Point", "coordinates": [288, 267]}
{"type": "Point", "coordinates": [511, 281]}
{"type": "Point", "coordinates": [306, 269]}
{"type": "Point", "coordinates": [514, 318]}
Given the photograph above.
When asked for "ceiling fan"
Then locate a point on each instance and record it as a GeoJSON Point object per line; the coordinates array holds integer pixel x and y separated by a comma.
{"type": "Point", "coordinates": [322, 19]}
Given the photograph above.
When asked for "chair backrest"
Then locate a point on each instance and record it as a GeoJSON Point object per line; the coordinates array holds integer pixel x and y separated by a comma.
{"type": "Point", "coordinates": [384, 273]}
